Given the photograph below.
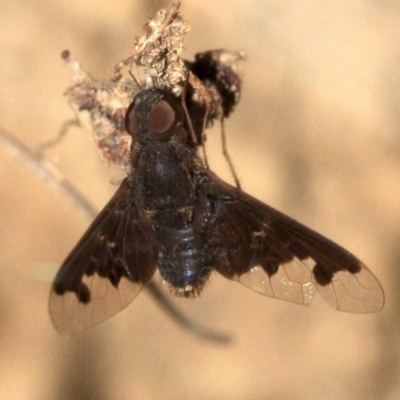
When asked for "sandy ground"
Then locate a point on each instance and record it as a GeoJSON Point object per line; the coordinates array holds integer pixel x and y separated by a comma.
{"type": "Point", "coordinates": [317, 135]}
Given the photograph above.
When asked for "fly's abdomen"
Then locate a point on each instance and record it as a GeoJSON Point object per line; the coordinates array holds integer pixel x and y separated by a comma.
{"type": "Point", "coordinates": [183, 262]}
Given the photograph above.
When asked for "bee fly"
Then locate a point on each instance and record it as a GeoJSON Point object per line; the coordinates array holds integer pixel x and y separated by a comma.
{"type": "Point", "coordinates": [173, 214]}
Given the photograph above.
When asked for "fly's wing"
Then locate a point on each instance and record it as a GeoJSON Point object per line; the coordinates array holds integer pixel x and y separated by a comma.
{"type": "Point", "coordinates": [278, 257]}
{"type": "Point", "coordinates": [107, 268]}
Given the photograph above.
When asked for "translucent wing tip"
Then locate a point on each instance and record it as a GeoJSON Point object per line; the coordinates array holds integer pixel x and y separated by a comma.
{"type": "Point", "coordinates": [70, 316]}
{"type": "Point", "coordinates": [358, 292]}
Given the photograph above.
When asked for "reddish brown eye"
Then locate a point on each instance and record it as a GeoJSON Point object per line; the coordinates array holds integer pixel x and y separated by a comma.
{"type": "Point", "coordinates": [161, 118]}
{"type": "Point", "coordinates": [131, 123]}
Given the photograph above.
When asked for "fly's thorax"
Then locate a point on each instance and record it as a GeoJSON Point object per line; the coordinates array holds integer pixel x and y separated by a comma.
{"type": "Point", "coordinates": [163, 176]}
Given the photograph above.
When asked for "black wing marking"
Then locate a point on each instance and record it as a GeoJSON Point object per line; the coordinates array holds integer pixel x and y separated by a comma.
{"type": "Point", "coordinates": [107, 268]}
{"type": "Point", "coordinates": [276, 256]}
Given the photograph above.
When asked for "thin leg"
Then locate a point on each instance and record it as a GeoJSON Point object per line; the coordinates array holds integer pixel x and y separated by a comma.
{"type": "Point", "coordinates": [191, 128]}
{"type": "Point", "coordinates": [187, 115]}
{"type": "Point", "coordinates": [226, 154]}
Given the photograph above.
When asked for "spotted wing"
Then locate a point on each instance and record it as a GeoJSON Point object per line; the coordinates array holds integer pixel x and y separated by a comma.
{"type": "Point", "coordinates": [278, 257]}
{"type": "Point", "coordinates": [107, 268]}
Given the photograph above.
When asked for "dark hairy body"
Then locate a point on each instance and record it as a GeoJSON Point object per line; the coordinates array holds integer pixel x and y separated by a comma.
{"type": "Point", "coordinates": [173, 214]}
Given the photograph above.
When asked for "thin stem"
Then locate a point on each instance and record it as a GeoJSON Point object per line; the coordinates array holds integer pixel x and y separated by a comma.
{"type": "Point", "coordinates": [187, 324]}
{"type": "Point", "coordinates": [48, 172]}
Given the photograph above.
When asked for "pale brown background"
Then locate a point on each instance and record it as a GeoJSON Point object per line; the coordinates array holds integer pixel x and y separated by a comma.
{"type": "Point", "coordinates": [317, 135]}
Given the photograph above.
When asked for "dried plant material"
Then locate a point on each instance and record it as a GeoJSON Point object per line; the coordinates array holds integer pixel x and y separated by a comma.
{"type": "Point", "coordinates": [159, 50]}
{"type": "Point", "coordinates": [211, 85]}
{"type": "Point", "coordinates": [221, 71]}
{"type": "Point", "coordinates": [104, 103]}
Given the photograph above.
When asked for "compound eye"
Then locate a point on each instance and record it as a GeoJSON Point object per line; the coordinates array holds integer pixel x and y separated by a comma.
{"type": "Point", "coordinates": [131, 122]}
{"type": "Point", "coordinates": [162, 117]}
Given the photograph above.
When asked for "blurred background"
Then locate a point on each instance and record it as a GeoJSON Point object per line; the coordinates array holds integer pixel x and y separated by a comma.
{"type": "Point", "coordinates": [316, 135]}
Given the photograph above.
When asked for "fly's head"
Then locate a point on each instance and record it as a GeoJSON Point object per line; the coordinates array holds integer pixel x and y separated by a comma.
{"type": "Point", "coordinates": [154, 116]}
